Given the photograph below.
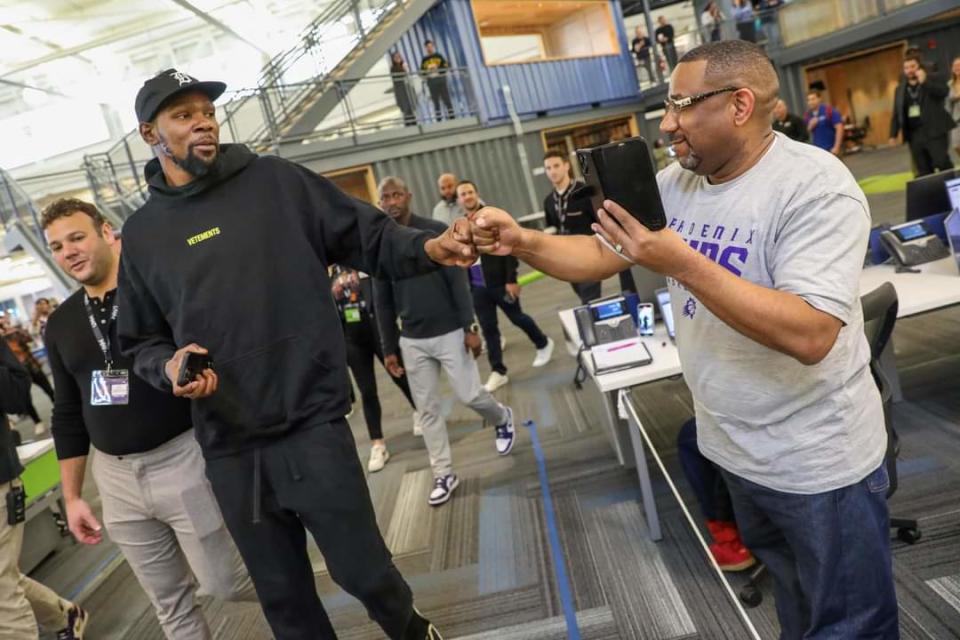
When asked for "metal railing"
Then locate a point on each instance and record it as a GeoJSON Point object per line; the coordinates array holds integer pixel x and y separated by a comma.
{"type": "Point", "coordinates": [259, 115]}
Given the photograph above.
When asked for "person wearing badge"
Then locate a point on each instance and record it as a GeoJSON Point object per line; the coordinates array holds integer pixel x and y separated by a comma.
{"type": "Point", "coordinates": [158, 506]}
{"type": "Point", "coordinates": [353, 293]}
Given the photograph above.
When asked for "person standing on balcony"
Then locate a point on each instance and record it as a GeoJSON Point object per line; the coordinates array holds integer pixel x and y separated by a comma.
{"type": "Point", "coordinates": [664, 35]}
{"type": "Point", "coordinates": [228, 259]}
{"type": "Point", "coordinates": [824, 123]}
{"type": "Point", "coordinates": [712, 21]}
{"type": "Point", "coordinates": [402, 92]}
{"type": "Point", "coordinates": [641, 51]}
{"type": "Point", "coordinates": [448, 209]}
{"type": "Point", "coordinates": [919, 112]}
{"type": "Point", "coordinates": [493, 285]}
{"type": "Point", "coordinates": [434, 68]}
{"type": "Point", "coordinates": [743, 16]}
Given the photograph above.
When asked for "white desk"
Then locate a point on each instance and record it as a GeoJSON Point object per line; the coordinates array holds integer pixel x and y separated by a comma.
{"type": "Point", "coordinates": [627, 442]}
{"type": "Point", "coordinates": [937, 286]}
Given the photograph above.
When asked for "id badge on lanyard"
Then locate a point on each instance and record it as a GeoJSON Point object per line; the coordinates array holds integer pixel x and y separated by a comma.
{"type": "Point", "coordinates": [108, 387]}
{"type": "Point", "coordinates": [351, 313]}
{"type": "Point", "coordinates": [913, 111]}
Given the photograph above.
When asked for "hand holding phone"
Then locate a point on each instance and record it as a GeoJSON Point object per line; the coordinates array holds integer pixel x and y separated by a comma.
{"type": "Point", "coordinates": [190, 371]}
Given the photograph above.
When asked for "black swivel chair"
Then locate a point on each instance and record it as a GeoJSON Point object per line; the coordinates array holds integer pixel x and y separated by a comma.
{"type": "Point", "coordinates": [879, 317]}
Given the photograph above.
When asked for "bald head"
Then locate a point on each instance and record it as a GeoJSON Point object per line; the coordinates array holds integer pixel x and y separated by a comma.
{"type": "Point", "coordinates": [447, 184]}
{"type": "Point", "coordinates": [741, 64]}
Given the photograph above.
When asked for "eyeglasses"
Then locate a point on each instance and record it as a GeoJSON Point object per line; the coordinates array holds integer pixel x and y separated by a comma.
{"type": "Point", "coordinates": [679, 104]}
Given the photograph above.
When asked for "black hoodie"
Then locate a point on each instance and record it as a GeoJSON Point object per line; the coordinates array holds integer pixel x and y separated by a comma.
{"type": "Point", "coordinates": [237, 263]}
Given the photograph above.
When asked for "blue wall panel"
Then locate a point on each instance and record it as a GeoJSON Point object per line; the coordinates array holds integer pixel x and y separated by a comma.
{"type": "Point", "coordinates": [536, 87]}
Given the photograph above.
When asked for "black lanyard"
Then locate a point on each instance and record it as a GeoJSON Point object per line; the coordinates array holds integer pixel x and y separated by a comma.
{"type": "Point", "coordinates": [561, 201]}
{"type": "Point", "coordinates": [103, 339]}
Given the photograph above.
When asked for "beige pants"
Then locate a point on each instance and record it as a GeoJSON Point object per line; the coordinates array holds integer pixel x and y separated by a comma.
{"type": "Point", "coordinates": [160, 511]}
{"type": "Point", "coordinates": [24, 602]}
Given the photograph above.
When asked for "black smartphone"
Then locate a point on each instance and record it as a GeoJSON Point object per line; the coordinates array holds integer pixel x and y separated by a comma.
{"type": "Point", "coordinates": [192, 366]}
{"type": "Point", "coordinates": [623, 172]}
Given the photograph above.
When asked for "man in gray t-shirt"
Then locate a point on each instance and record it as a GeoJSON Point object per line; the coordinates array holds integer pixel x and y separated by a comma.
{"type": "Point", "coordinates": [763, 250]}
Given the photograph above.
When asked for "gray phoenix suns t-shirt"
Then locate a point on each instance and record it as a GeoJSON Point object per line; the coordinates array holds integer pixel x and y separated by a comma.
{"type": "Point", "coordinates": [796, 222]}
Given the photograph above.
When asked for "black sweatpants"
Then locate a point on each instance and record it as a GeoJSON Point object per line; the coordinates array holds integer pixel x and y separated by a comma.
{"type": "Point", "coordinates": [40, 379]}
{"type": "Point", "coordinates": [486, 300]}
{"type": "Point", "coordinates": [588, 291]}
{"type": "Point", "coordinates": [311, 480]}
{"type": "Point", "coordinates": [931, 155]}
{"type": "Point", "coordinates": [440, 93]}
{"type": "Point", "coordinates": [363, 345]}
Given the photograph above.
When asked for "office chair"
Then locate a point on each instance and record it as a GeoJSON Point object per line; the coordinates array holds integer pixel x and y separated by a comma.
{"type": "Point", "coordinates": [879, 317]}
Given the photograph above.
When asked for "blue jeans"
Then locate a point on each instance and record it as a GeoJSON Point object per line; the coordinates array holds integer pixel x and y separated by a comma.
{"type": "Point", "coordinates": [704, 477]}
{"type": "Point", "coordinates": [828, 554]}
{"type": "Point", "coordinates": [485, 303]}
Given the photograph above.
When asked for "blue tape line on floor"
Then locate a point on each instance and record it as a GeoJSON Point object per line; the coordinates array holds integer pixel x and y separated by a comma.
{"type": "Point", "coordinates": [560, 567]}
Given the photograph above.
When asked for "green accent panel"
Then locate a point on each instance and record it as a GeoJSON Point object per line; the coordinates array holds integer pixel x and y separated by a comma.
{"type": "Point", "coordinates": [41, 475]}
{"type": "Point", "coordinates": [527, 278]}
{"type": "Point", "coordinates": [885, 183]}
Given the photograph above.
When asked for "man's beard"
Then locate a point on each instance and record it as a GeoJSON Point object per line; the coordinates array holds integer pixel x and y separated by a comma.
{"type": "Point", "coordinates": [192, 163]}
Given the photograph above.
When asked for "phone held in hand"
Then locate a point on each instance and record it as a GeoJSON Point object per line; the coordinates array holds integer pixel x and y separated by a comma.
{"type": "Point", "coordinates": [193, 365]}
{"type": "Point", "coordinates": [624, 172]}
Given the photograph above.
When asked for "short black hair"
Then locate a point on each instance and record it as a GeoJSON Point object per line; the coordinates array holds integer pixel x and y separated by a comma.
{"type": "Point", "coordinates": [814, 92]}
{"type": "Point", "coordinates": [738, 63]}
{"type": "Point", "coordinates": [66, 207]}
{"type": "Point", "coordinates": [426, 42]}
{"type": "Point", "coordinates": [553, 153]}
{"type": "Point", "coordinates": [469, 182]}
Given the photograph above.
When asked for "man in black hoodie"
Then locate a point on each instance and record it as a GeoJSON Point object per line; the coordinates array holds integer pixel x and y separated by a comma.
{"type": "Point", "coordinates": [229, 258]}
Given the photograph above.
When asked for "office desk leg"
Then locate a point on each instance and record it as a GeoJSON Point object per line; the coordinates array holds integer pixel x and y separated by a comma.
{"type": "Point", "coordinates": [888, 365]}
{"type": "Point", "coordinates": [617, 430]}
{"type": "Point", "coordinates": [646, 487]}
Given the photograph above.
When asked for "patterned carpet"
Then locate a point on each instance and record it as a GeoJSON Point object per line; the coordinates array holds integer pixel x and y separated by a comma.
{"type": "Point", "coordinates": [481, 566]}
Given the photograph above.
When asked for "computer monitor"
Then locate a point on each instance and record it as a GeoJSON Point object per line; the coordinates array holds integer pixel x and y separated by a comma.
{"type": "Point", "coordinates": [927, 196]}
{"type": "Point", "coordinates": [953, 193]}
{"type": "Point", "coordinates": [952, 226]}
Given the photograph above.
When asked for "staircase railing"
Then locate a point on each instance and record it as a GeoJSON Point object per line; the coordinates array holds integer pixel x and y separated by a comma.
{"type": "Point", "coordinates": [252, 116]}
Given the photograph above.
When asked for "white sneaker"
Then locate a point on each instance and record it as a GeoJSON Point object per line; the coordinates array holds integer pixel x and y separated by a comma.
{"type": "Point", "coordinates": [544, 355]}
{"type": "Point", "coordinates": [495, 381]}
{"type": "Point", "coordinates": [378, 457]}
{"type": "Point", "coordinates": [40, 428]}
{"type": "Point", "coordinates": [443, 489]}
{"type": "Point", "coordinates": [417, 425]}
{"type": "Point", "coordinates": [506, 435]}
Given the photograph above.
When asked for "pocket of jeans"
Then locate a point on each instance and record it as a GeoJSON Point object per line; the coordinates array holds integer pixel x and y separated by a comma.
{"type": "Point", "coordinates": [201, 509]}
{"type": "Point", "coordinates": [878, 481]}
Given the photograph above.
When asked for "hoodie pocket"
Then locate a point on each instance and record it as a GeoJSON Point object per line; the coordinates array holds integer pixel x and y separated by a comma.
{"type": "Point", "coordinates": [250, 393]}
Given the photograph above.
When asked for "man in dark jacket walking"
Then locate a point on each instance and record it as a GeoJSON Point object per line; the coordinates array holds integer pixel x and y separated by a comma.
{"type": "Point", "coordinates": [919, 112]}
{"type": "Point", "coordinates": [228, 258]}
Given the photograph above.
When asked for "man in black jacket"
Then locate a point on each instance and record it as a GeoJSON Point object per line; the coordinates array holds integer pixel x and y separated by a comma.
{"type": "Point", "coordinates": [24, 602]}
{"type": "Point", "coordinates": [919, 112]}
{"type": "Point", "coordinates": [789, 124]}
{"type": "Point", "coordinates": [229, 258]}
{"type": "Point", "coordinates": [434, 68]}
{"type": "Point", "coordinates": [493, 284]}
{"type": "Point", "coordinates": [173, 538]}
{"type": "Point", "coordinates": [435, 315]}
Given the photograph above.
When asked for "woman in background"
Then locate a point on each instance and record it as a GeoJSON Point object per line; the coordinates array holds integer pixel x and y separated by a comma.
{"type": "Point", "coordinates": [953, 104]}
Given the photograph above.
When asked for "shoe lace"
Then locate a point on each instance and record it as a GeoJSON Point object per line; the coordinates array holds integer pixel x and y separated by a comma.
{"type": "Point", "coordinates": [440, 483]}
{"type": "Point", "coordinates": [503, 431]}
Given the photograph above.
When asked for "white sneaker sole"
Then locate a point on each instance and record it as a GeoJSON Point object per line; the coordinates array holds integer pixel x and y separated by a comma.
{"type": "Point", "coordinates": [373, 469]}
{"type": "Point", "coordinates": [503, 382]}
{"type": "Point", "coordinates": [436, 502]}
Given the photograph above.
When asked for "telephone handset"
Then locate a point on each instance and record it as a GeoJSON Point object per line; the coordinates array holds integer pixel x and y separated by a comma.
{"type": "Point", "coordinates": [585, 326]}
{"type": "Point", "coordinates": [913, 243]}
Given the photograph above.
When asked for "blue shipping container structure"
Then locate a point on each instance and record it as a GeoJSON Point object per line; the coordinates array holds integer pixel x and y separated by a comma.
{"type": "Point", "coordinates": [547, 87]}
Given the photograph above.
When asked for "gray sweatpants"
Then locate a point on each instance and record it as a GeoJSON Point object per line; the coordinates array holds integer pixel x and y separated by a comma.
{"type": "Point", "coordinates": [422, 359]}
{"type": "Point", "coordinates": [160, 511]}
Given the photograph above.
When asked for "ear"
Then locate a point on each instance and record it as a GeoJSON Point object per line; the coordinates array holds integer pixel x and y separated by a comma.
{"type": "Point", "coordinates": [744, 103]}
{"type": "Point", "coordinates": [148, 132]}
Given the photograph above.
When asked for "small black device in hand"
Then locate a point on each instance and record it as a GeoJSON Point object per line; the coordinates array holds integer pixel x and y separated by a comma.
{"type": "Point", "coordinates": [192, 366]}
{"type": "Point", "coordinates": [16, 506]}
{"type": "Point", "coordinates": [623, 172]}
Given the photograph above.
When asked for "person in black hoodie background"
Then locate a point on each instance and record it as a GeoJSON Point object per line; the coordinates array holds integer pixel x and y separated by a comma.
{"type": "Point", "coordinates": [229, 257]}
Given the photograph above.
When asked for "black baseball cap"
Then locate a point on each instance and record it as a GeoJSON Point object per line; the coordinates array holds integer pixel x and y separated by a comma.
{"type": "Point", "coordinates": [166, 84]}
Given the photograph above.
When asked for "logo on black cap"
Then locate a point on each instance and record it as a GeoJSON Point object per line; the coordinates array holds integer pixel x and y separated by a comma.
{"type": "Point", "coordinates": [181, 77]}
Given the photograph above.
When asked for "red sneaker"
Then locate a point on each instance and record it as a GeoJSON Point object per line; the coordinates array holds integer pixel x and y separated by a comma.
{"type": "Point", "coordinates": [728, 549]}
